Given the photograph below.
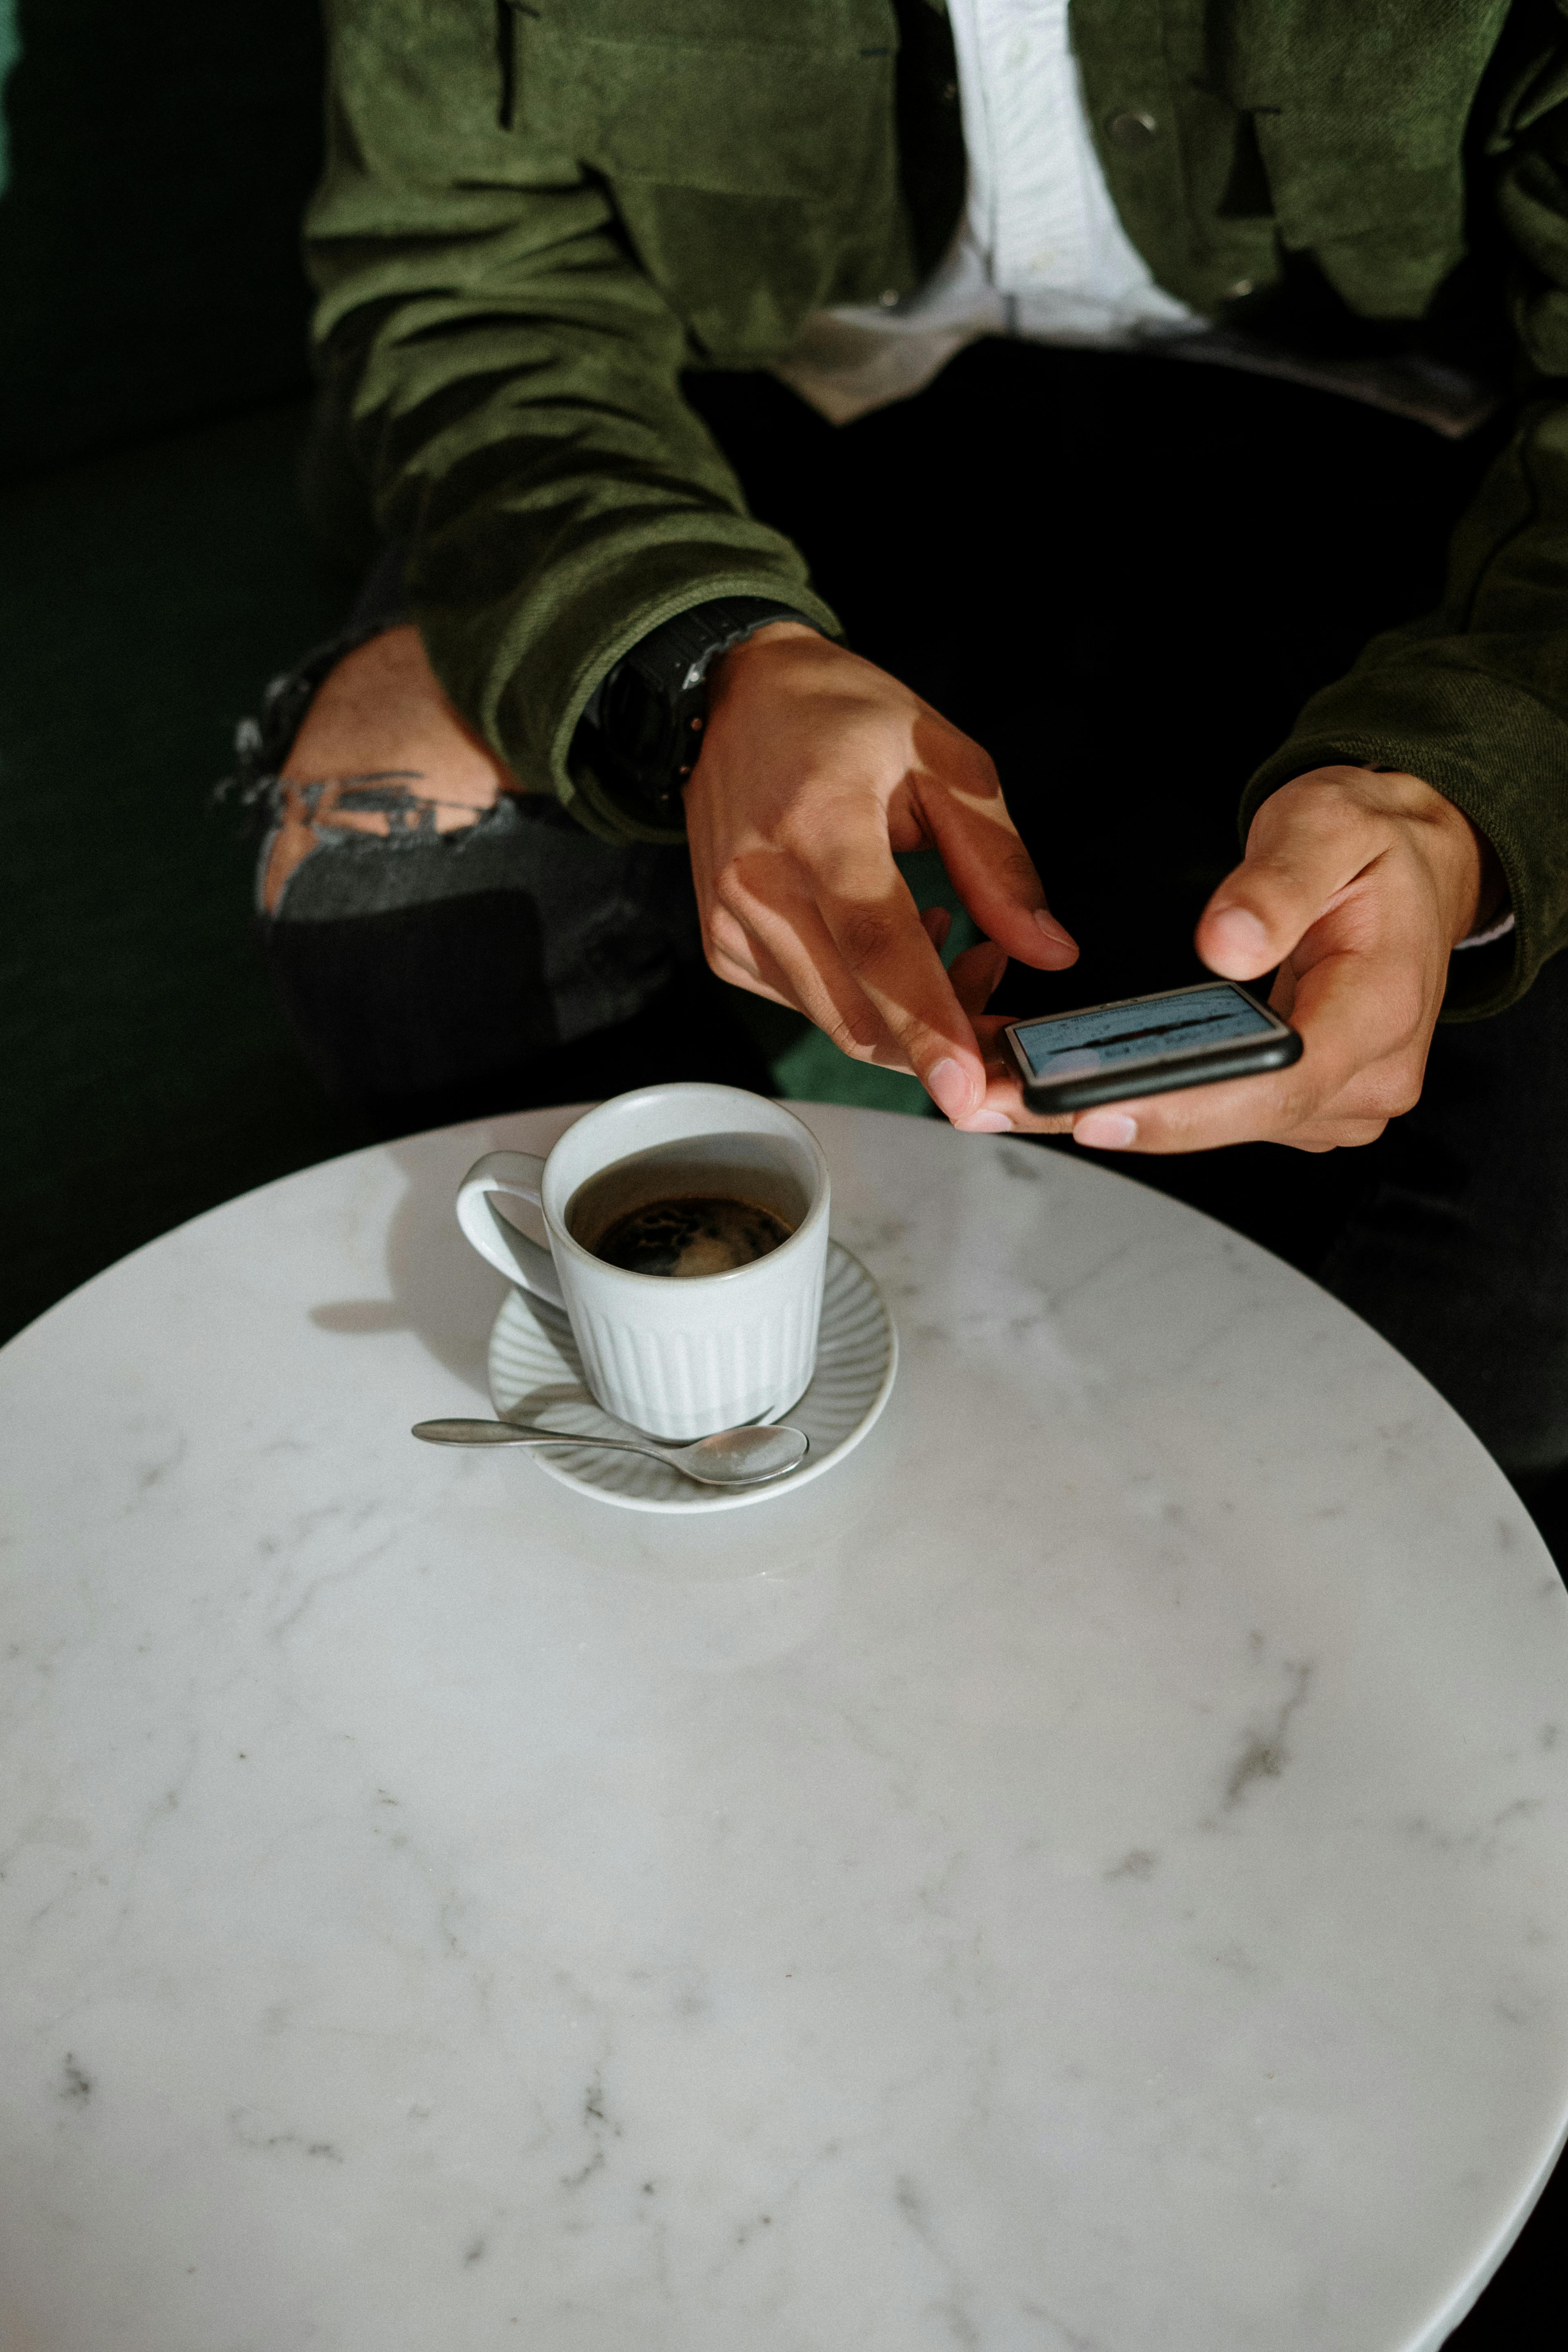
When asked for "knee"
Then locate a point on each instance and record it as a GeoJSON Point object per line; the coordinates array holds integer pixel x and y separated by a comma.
{"type": "Point", "coordinates": [381, 754]}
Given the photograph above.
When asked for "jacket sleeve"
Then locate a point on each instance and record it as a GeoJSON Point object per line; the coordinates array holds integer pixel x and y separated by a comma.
{"type": "Point", "coordinates": [504, 379]}
{"type": "Point", "coordinates": [1474, 697]}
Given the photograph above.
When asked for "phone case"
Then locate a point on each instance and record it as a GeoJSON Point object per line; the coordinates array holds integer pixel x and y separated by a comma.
{"type": "Point", "coordinates": [1248, 1057]}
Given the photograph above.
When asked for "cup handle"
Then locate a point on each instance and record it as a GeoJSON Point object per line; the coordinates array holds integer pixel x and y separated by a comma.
{"type": "Point", "coordinates": [517, 1174]}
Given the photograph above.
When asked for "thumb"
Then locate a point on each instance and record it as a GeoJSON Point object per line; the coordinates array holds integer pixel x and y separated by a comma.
{"type": "Point", "coordinates": [1306, 845]}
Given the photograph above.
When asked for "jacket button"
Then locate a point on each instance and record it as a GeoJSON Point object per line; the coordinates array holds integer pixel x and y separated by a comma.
{"type": "Point", "coordinates": [1132, 131]}
{"type": "Point", "coordinates": [1238, 289]}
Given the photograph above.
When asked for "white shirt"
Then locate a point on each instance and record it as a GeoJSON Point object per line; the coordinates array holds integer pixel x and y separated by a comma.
{"type": "Point", "coordinates": [1040, 251]}
{"type": "Point", "coordinates": [1041, 241]}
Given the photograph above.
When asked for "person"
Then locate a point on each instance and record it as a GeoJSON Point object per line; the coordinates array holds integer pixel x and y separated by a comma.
{"type": "Point", "coordinates": [593, 723]}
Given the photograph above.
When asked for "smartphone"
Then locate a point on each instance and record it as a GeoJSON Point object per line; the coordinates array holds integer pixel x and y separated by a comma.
{"type": "Point", "coordinates": [1147, 1046]}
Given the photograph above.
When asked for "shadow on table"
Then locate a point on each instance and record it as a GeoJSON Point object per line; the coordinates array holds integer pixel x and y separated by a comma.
{"type": "Point", "coordinates": [441, 1290]}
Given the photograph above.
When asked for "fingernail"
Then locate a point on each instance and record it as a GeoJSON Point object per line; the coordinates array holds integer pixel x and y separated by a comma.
{"type": "Point", "coordinates": [987, 1122]}
{"type": "Point", "coordinates": [1052, 929]}
{"type": "Point", "coordinates": [1106, 1130]}
{"type": "Point", "coordinates": [1238, 934]}
{"type": "Point", "coordinates": [950, 1086]}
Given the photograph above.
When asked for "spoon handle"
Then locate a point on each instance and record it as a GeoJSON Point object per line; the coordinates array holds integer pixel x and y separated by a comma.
{"type": "Point", "coordinates": [514, 1433]}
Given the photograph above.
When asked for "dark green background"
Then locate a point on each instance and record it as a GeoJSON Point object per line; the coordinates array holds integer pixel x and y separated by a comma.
{"type": "Point", "coordinates": [149, 248]}
{"type": "Point", "coordinates": [152, 375]}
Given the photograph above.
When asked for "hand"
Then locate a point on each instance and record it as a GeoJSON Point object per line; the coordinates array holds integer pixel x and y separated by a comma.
{"type": "Point", "coordinates": [815, 767]}
{"type": "Point", "coordinates": [1357, 885]}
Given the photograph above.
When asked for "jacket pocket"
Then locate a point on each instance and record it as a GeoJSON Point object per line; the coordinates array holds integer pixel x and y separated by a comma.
{"type": "Point", "coordinates": [694, 94]}
{"type": "Point", "coordinates": [1361, 110]}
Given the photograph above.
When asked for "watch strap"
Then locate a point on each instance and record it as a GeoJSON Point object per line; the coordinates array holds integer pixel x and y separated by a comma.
{"type": "Point", "coordinates": [648, 714]}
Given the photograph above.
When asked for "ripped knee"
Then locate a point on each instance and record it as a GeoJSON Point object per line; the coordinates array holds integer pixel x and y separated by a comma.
{"type": "Point", "coordinates": [397, 805]}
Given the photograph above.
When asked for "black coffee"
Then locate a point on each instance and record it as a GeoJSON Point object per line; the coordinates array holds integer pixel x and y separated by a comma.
{"type": "Point", "coordinates": [691, 1233]}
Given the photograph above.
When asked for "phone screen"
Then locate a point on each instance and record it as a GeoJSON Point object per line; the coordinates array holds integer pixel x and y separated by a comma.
{"type": "Point", "coordinates": [1151, 1029]}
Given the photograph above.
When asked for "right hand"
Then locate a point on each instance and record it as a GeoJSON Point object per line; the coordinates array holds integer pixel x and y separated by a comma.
{"type": "Point", "coordinates": [815, 767]}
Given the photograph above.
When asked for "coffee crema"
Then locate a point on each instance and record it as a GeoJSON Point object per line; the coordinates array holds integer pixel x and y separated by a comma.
{"type": "Point", "coordinates": [689, 1234]}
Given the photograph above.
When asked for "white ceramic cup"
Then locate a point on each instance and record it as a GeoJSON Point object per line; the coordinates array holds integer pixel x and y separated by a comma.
{"type": "Point", "coordinates": [676, 1357]}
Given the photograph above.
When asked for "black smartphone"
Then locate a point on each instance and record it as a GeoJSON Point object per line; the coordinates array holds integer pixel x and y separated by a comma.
{"type": "Point", "coordinates": [1147, 1046]}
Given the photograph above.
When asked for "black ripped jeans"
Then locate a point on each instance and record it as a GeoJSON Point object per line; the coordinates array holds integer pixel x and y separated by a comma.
{"type": "Point", "coordinates": [1123, 576]}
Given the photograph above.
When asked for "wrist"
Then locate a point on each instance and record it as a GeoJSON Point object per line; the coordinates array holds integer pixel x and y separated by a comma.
{"type": "Point", "coordinates": [1492, 896]}
{"type": "Point", "coordinates": [1474, 886]}
{"type": "Point", "coordinates": [645, 722]}
{"type": "Point", "coordinates": [741, 656]}
{"type": "Point", "coordinates": [1468, 871]}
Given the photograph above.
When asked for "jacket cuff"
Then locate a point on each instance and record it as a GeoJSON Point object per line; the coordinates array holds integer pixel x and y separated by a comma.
{"type": "Point", "coordinates": [569, 677]}
{"type": "Point", "coordinates": [1494, 749]}
{"type": "Point", "coordinates": [591, 796]}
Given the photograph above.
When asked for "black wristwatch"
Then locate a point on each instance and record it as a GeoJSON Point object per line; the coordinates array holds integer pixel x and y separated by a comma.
{"type": "Point", "coordinates": [643, 726]}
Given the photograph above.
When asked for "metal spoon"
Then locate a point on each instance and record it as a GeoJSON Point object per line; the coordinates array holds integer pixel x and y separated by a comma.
{"type": "Point", "coordinates": [731, 1457]}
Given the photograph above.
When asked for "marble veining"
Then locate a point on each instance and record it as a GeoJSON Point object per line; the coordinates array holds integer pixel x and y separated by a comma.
{"type": "Point", "coordinates": [1089, 1876]}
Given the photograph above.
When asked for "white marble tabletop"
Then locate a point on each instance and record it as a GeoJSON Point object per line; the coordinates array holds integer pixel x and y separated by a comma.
{"type": "Point", "coordinates": [1088, 1875]}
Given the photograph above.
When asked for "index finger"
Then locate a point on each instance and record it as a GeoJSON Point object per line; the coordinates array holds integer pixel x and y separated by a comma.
{"type": "Point", "coordinates": [876, 926]}
{"type": "Point", "coordinates": [964, 811]}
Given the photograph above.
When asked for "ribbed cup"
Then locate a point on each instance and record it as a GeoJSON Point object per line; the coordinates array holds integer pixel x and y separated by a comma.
{"type": "Point", "coordinates": [684, 1382]}
{"type": "Point", "coordinates": [682, 1358]}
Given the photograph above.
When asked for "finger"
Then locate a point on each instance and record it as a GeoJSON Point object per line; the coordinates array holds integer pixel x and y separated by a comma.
{"type": "Point", "coordinates": [1003, 1106]}
{"type": "Point", "coordinates": [976, 975]}
{"type": "Point", "coordinates": [1006, 1105]}
{"type": "Point", "coordinates": [1124, 1126]}
{"type": "Point", "coordinates": [787, 943]}
{"type": "Point", "coordinates": [734, 958]}
{"type": "Point", "coordinates": [1338, 1135]}
{"type": "Point", "coordinates": [886, 1054]}
{"type": "Point", "coordinates": [1354, 1015]}
{"type": "Point", "coordinates": [1307, 844]}
{"type": "Point", "coordinates": [1282, 996]}
{"type": "Point", "coordinates": [936, 923]}
{"type": "Point", "coordinates": [872, 922]}
{"type": "Point", "coordinates": [735, 975]}
{"type": "Point", "coordinates": [749, 965]}
{"type": "Point", "coordinates": [742, 957]}
{"type": "Point", "coordinates": [962, 807]}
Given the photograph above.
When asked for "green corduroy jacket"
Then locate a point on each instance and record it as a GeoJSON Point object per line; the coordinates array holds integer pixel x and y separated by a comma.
{"type": "Point", "coordinates": [535, 215]}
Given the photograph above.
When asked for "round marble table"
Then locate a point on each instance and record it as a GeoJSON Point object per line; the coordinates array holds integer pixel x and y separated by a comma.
{"type": "Point", "coordinates": [1087, 1875]}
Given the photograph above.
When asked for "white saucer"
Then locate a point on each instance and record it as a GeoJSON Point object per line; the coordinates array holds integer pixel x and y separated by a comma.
{"type": "Point", "coordinates": [535, 1374]}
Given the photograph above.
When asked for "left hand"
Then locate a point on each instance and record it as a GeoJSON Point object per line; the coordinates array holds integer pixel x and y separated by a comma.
{"type": "Point", "coordinates": [1357, 885]}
